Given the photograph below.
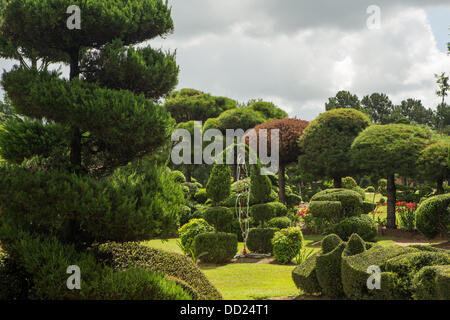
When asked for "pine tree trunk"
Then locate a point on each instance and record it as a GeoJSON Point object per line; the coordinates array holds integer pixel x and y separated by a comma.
{"type": "Point", "coordinates": [440, 187]}
{"type": "Point", "coordinates": [188, 173]}
{"type": "Point", "coordinates": [337, 182]}
{"type": "Point", "coordinates": [391, 202]}
{"type": "Point", "coordinates": [75, 144]}
{"type": "Point", "coordinates": [282, 184]}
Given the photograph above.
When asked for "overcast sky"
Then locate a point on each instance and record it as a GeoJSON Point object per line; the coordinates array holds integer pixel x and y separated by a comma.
{"type": "Point", "coordinates": [299, 53]}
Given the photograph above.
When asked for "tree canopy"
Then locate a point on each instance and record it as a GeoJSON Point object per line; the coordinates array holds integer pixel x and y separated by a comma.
{"type": "Point", "coordinates": [326, 144]}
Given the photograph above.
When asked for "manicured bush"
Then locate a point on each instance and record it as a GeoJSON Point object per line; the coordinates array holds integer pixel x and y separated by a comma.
{"type": "Point", "coordinates": [220, 218]}
{"type": "Point", "coordinates": [432, 283]}
{"type": "Point", "coordinates": [305, 277]}
{"type": "Point", "coordinates": [261, 185]}
{"type": "Point", "coordinates": [354, 273]}
{"type": "Point", "coordinates": [351, 200]}
{"type": "Point", "coordinates": [279, 209]}
{"type": "Point", "coordinates": [349, 183]}
{"type": "Point", "coordinates": [279, 223]}
{"type": "Point", "coordinates": [201, 196]}
{"type": "Point", "coordinates": [370, 189]}
{"type": "Point", "coordinates": [189, 231]}
{"type": "Point", "coordinates": [443, 282]}
{"type": "Point", "coordinates": [179, 176]}
{"type": "Point", "coordinates": [355, 245]}
{"type": "Point", "coordinates": [140, 284]}
{"type": "Point", "coordinates": [293, 200]}
{"type": "Point", "coordinates": [363, 225]}
{"type": "Point", "coordinates": [216, 247]}
{"type": "Point", "coordinates": [330, 242]}
{"type": "Point", "coordinates": [287, 244]}
{"type": "Point", "coordinates": [368, 207]}
{"type": "Point", "coordinates": [360, 191]}
{"type": "Point", "coordinates": [330, 211]}
{"type": "Point", "coordinates": [433, 216]}
{"type": "Point", "coordinates": [260, 240]}
{"type": "Point", "coordinates": [407, 265]}
{"type": "Point", "coordinates": [218, 187]}
{"type": "Point", "coordinates": [328, 271]}
{"type": "Point", "coordinates": [122, 256]}
{"type": "Point", "coordinates": [262, 212]}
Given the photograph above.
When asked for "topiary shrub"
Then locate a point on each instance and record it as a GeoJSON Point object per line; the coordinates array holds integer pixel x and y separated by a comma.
{"type": "Point", "coordinates": [179, 176]}
{"type": "Point", "coordinates": [330, 242]}
{"type": "Point", "coordinates": [261, 185]}
{"type": "Point", "coordinates": [220, 218]}
{"type": "Point", "coordinates": [262, 212]}
{"type": "Point", "coordinates": [354, 273]}
{"type": "Point", "coordinates": [305, 277]}
{"type": "Point", "coordinates": [260, 240]}
{"type": "Point", "coordinates": [293, 200]}
{"type": "Point", "coordinates": [189, 231]}
{"type": "Point", "coordinates": [216, 247]}
{"type": "Point", "coordinates": [140, 284]}
{"type": "Point", "coordinates": [433, 216]}
{"type": "Point", "coordinates": [432, 283]}
{"type": "Point", "coordinates": [360, 191]}
{"type": "Point", "coordinates": [330, 211]}
{"type": "Point", "coordinates": [328, 270]}
{"type": "Point", "coordinates": [363, 225]}
{"type": "Point", "coordinates": [355, 245]}
{"type": "Point", "coordinates": [279, 223]}
{"type": "Point", "coordinates": [279, 209]}
{"type": "Point", "coordinates": [350, 200]}
{"type": "Point", "coordinates": [407, 265]}
{"type": "Point", "coordinates": [218, 187]}
{"type": "Point", "coordinates": [368, 207]}
{"type": "Point", "coordinates": [370, 189]}
{"type": "Point", "coordinates": [286, 244]}
{"type": "Point", "coordinates": [122, 256]}
{"type": "Point", "coordinates": [201, 196]}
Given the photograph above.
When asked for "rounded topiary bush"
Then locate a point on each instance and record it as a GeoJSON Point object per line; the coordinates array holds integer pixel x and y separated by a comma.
{"type": "Point", "coordinates": [330, 242]}
{"type": "Point", "coordinates": [260, 240]}
{"type": "Point", "coordinates": [220, 218]}
{"type": "Point", "coordinates": [122, 256]}
{"type": "Point", "coordinates": [293, 200]}
{"type": "Point", "coordinates": [433, 216]}
{"type": "Point", "coordinates": [279, 223]}
{"type": "Point", "coordinates": [328, 272]}
{"type": "Point", "coordinates": [368, 207]}
{"type": "Point", "coordinates": [362, 225]}
{"type": "Point", "coordinates": [287, 244]}
{"type": "Point", "coordinates": [201, 196]}
{"type": "Point", "coordinates": [330, 211]}
{"type": "Point", "coordinates": [216, 247]}
{"type": "Point", "coordinates": [432, 283]}
{"type": "Point", "coordinates": [370, 189]}
{"type": "Point", "coordinates": [178, 176]}
{"type": "Point", "coordinates": [262, 213]}
{"type": "Point", "coordinates": [350, 200]}
{"type": "Point", "coordinates": [190, 230]}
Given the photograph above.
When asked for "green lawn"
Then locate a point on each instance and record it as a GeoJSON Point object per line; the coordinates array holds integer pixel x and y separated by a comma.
{"type": "Point", "coordinates": [246, 281]}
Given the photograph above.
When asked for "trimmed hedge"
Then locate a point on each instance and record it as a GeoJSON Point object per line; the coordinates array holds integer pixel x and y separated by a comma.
{"type": "Point", "coordinates": [351, 200]}
{"type": "Point", "coordinates": [432, 283]}
{"type": "Point", "coordinates": [190, 230]}
{"type": "Point", "coordinates": [433, 216]}
{"type": "Point", "coordinates": [175, 266]}
{"type": "Point", "coordinates": [328, 270]}
{"type": "Point", "coordinates": [279, 223]}
{"type": "Point", "coordinates": [287, 244]}
{"type": "Point", "coordinates": [140, 284]}
{"type": "Point", "coordinates": [220, 218]}
{"type": "Point", "coordinates": [305, 277]}
{"type": "Point", "coordinates": [363, 225]}
{"type": "Point", "coordinates": [355, 245]}
{"type": "Point", "coordinates": [218, 247]}
{"type": "Point", "coordinates": [331, 211]}
{"type": "Point", "coordinates": [354, 273]}
{"type": "Point", "coordinates": [260, 240]}
{"type": "Point", "coordinates": [330, 242]}
{"type": "Point", "coordinates": [201, 196]}
{"type": "Point", "coordinates": [293, 200]}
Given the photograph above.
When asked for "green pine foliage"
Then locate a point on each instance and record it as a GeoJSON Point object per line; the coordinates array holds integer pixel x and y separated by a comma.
{"type": "Point", "coordinates": [218, 187]}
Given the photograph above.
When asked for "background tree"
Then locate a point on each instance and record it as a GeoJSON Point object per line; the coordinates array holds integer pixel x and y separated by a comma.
{"type": "Point", "coordinates": [413, 111]}
{"type": "Point", "coordinates": [326, 144]}
{"type": "Point", "coordinates": [289, 132]}
{"type": "Point", "coordinates": [193, 105]}
{"type": "Point", "coordinates": [433, 163]}
{"type": "Point", "coordinates": [191, 128]}
{"type": "Point", "coordinates": [385, 150]}
{"type": "Point", "coordinates": [379, 107]}
{"type": "Point", "coordinates": [268, 109]}
{"type": "Point", "coordinates": [343, 100]}
{"type": "Point", "coordinates": [444, 86]}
